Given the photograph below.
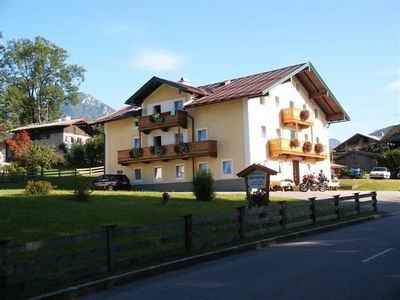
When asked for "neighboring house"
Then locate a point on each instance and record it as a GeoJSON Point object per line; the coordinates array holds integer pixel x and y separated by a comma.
{"type": "Point", "coordinates": [171, 129]}
{"type": "Point", "coordinates": [359, 159]}
{"type": "Point", "coordinates": [3, 146]}
{"type": "Point", "coordinates": [65, 131]}
{"type": "Point", "coordinates": [391, 140]}
{"type": "Point", "coordinates": [356, 142]}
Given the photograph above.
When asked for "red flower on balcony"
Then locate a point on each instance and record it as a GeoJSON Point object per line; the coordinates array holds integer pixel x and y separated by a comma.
{"type": "Point", "coordinates": [304, 115]}
{"type": "Point", "coordinates": [307, 147]}
{"type": "Point", "coordinates": [318, 148]}
{"type": "Point", "coordinates": [294, 143]}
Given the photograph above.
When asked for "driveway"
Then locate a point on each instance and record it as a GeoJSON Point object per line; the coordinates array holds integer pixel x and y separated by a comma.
{"type": "Point", "coordinates": [388, 201]}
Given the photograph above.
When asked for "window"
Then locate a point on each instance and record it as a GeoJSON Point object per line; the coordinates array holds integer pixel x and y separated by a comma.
{"type": "Point", "coordinates": [280, 167]}
{"type": "Point", "coordinates": [135, 124]}
{"type": "Point", "coordinates": [178, 138]}
{"type": "Point", "coordinates": [292, 134]}
{"type": "Point", "coordinates": [157, 173]}
{"type": "Point", "coordinates": [304, 106]}
{"type": "Point", "coordinates": [179, 171]}
{"type": "Point", "coordinates": [276, 101]}
{"type": "Point", "coordinates": [298, 86]}
{"type": "Point", "coordinates": [317, 139]}
{"type": "Point", "coordinates": [227, 168]}
{"type": "Point", "coordinates": [263, 132]}
{"type": "Point", "coordinates": [203, 166]}
{"type": "Point", "coordinates": [316, 113]}
{"type": "Point", "coordinates": [278, 133]}
{"type": "Point", "coordinates": [136, 143]}
{"type": "Point", "coordinates": [291, 104]}
{"type": "Point", "coordinates": [202, 135]}
{"type": "Point", "coordinates": [156, 109]}
{"type": "Point", "coordinates": [120, 172]}
{"type": "Point", "coordinates": [178, 105]}
{"type": "Point", "coordinates": [262, 100]}
{"type": "Point", "coordinates": [306, 137]}
{"type": "Point", "coordinates": [137, 175]}
{"type": "Point", "coordinates": [157, 141]}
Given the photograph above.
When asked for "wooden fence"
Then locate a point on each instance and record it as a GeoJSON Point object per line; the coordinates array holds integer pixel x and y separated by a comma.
{"type": "Point", "coordinates": [12, 177]}
{"type": "Point", "coordinates": [37, 267]}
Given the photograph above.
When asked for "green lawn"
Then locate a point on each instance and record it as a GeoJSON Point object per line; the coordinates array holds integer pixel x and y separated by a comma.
{"type": "Point", "coordinates": [24, 218]}
{"type": "Point", "coordinates": [372, 184]}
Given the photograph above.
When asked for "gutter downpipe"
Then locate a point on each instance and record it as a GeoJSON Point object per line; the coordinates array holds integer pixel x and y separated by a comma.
{"type": "Point", "coordinates": [192, 141]}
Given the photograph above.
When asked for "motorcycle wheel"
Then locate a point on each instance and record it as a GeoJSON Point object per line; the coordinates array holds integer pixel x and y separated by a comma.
{"type": "Point", "coordinates": [303, 187]}
{"type": "Point", "coordinates": [322, 188]}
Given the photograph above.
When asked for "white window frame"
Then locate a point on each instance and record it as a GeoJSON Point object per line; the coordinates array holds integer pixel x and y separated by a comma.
{"type": "Point", "coordinates": [202, 162]}
{"type": "Point", "coordinates": [154, 175]}
{"type": "Point", "coordinates": [277, 101]}
{"type": "Point", "coordinates": [200, 129]}
{"type": "Point", "coordinates": [278, 132]}
{"type": "Point", "coordinates": [134, 175]}
{"type": "Point", "coordinates": [222, 167]}
{"type": "Point", "coordinates": [183, 173]}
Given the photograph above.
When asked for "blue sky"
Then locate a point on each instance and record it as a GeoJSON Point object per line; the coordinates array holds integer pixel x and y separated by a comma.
{"type": "Point", "coordinates": [354, 45]}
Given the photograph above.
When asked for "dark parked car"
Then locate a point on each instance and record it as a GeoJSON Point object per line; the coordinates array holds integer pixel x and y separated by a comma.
{"type": "Point", "coordinates": [111, 182]}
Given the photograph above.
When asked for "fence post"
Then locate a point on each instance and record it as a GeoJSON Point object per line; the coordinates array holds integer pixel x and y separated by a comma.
{"type": "Point", "coordinates": [313, 211]}
{"type": "Point", "coordinates": [111, 253]}
{"type": "Point", "coordinates": [242, 221]}
{"type": "Point", "coordinates": [357, 200]}
{"type": "Point", "coordinates": [90, 171]}
{"type": "Point", "coordinates": [283, 212]}
{"type": "Point", "coordinates": [3, 269]}
{"type": "Point", "coordinates": [337, 205]}
{"type": "Point", "coordinates": [188, 233]}
{"type": "Point", "coordinates": [76, 172]}
{"type": "Point", "coordinates": [59, 172]}
{"type": "Point", "coordinates": [374, 201]}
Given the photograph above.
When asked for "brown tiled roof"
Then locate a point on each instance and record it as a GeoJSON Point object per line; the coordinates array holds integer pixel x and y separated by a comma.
{"type": "Point", "coordinates": [392, 136]}
{"type": "Point", "coordinates": [247, 86]}
{"type": "Point", "coordinates": [122, 113]}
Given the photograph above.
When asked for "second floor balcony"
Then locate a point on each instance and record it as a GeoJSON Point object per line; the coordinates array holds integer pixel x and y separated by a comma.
{"type": "Point", "coordinates": [297, 117]}
{"type": "Point", "coordinates": [168, 152]}
{"type": "Point", "coordinates": [285, 148]}
{"type": "Point", "coordinates": [163, 121]}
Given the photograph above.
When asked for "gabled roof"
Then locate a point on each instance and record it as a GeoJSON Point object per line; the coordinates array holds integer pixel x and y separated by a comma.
{"type": "Point", "coordinates": [371, 137]}
{"type": "Point", "coordinates": [123, 113]}
{"type": "Point", "coordinates": [392, 136]}
{"type": "Point", "coordinates": [65, 123]}
{"type": "Point", "coordinates": [253, 86]}
{"type": "Point", "coordinates": [359, 152]}
{"type": "Point", "coordinates": [256, 167]}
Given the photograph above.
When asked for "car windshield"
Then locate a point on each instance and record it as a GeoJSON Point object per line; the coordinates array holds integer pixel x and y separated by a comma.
{"type": "Point", "coordinates": [379, 169]}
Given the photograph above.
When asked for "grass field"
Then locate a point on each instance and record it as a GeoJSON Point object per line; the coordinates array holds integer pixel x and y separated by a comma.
{"type": "Point", "coordinates": [24, 218]}
{"type": "Point", "coordinates": [372, 184]}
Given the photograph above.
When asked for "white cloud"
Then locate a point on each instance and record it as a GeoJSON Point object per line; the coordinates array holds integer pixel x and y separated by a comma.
{"type": "Point", "coordinates": [394, 85]}
{"type": "Point", "coordinates": [159, 61]}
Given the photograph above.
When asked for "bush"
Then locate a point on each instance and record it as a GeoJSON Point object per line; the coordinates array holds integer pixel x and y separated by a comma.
{"type": "Point", "coordinates": [257, 199]}
{"type": "Point", "coordinates": [203, 185]}
{"type": "Point", "coordinates": [33, 188]}
{"type": "Point", "coordinates": [82, 192]}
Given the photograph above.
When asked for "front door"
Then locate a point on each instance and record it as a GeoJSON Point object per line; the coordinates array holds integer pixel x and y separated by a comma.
{"type": "Point", "coordinates": [296, 172]}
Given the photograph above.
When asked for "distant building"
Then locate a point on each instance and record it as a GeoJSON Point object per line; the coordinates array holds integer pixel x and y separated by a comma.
{"type": "Point", "coordinates": [356, 142]}
{"type": "Point", "coordinates": [392, 138]}
{"type": "Point", "coordinates": [3, 146]}
{"type": "Point", "coordinates": [359, 159]}
{"type": "Point", "coordinates": [65, 131]}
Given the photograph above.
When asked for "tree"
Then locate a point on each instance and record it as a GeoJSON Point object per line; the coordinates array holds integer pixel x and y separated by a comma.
{"type": "Point", "coordinates": [43, 156]}
{"type": "Point", "coordinates": [19, 145]}
{"type": "Point", "coordinates": [392, 161]}
{"type": "Point", "coordinates": [35, 80]}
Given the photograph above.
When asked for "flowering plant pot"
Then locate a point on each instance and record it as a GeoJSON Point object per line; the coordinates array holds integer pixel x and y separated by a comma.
{"type": "Point", "coordinates": [304, 115]}
{"type": "Point", "coordinates": [157, 150]}
{"type": "Point", "coordinates": [137, 152]}
{"type": "Point", "coordinates": [157, 117]}
{"type": "Point", "coordinates": [307, 147]}
{"type": "Point", "coordinates": [165, 197]}
{"type": "Point", "coordinates": [318, 148]}
{"type": "Point", "coordinates": [181, 148]}
{"type": "Point", "coordinates": [294, 143]}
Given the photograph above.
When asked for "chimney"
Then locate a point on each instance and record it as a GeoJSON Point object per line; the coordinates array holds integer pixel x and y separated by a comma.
{"type": "Point", "coordinates": [184, 81]}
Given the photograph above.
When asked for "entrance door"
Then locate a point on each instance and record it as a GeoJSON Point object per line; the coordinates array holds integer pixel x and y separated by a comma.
{"type": "Point", "coordinates": [296, 172]}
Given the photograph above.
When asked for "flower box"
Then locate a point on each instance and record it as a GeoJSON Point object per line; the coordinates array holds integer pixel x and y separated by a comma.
{"type": "Point", "coordinates": [318, 148]}
{"type": "Point", "coordinates": [304, 115]}
{"type": "Point", "coordinates": [294, 143]}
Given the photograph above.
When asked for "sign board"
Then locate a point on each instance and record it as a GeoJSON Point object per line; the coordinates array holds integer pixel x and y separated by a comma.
{"type": "Point", "coordinates": [257, 180]}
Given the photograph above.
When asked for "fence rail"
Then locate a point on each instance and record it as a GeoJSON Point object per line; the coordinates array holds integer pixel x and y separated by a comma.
{"type": "Point", "coordinates": [28, 268]}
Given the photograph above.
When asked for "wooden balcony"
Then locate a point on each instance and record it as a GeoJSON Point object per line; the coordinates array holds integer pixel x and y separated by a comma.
{"type": "Point", "coordinates": [280, 148]}
{"type": "Point", "coordinates": [147, 123]}
{"type": "Point", "coordinates": [291, 117]}
{"type": "Point", "coordinates": [195, 149]}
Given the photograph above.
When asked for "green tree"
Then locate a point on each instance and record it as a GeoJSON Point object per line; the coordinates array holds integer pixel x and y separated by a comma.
{"type": "Point", "coordinates": [94, 151]}
{"type": "Point", "coordinates": [43, 156]}
{"type": "Point", "coordinates": [35, 80]}
{"type": "Point", "coordinates": [392, 161]}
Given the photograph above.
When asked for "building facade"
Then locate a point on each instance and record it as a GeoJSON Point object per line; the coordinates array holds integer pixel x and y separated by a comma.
{"type": "Point", "coordinates": [170, 130]}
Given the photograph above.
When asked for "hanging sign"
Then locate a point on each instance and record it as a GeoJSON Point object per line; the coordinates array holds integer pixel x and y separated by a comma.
{"type": "Point", "coordinates": [257, 180]}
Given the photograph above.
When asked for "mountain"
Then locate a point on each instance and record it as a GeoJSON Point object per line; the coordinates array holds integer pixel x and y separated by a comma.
{"type": "Point", "coordinates": [89, 107]}
{"type": "Point", "coordinates": [333, 143]}
{"type": "Point", "coordinates": [381, 132]}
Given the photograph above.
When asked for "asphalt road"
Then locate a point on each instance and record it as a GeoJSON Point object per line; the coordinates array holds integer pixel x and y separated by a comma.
{"type": "Point", "coordinates": [356, 262]}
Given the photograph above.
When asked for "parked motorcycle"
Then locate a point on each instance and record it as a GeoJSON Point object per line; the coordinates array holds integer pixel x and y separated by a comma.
{"type": "Point", "coordinates": [311, 182]}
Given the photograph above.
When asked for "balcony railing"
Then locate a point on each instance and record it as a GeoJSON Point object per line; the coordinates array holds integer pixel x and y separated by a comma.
{"type": "Point", "coordinates": [165, 121]}
{"type": "Point", "coordinates": [292, 117]}
{"type": "Point", "coordinates": [171, 151]}
{"type": "Point", "coordinates": [281, 148]}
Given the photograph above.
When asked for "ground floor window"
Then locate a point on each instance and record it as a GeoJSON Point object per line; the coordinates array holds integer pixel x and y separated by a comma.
{"type": "Point", "coordinates": [203, 166]}
{"type": "Point", "coordinates": [137, 175]}
{"type": "Point", "coordinates": [157, 173]}
{"type": "Point", "coordinates": [179, 171]}
{"type": "Point", "coordinates": [227, 167]}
